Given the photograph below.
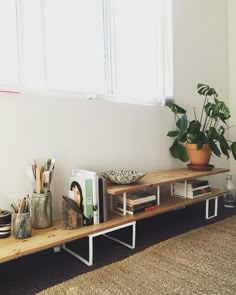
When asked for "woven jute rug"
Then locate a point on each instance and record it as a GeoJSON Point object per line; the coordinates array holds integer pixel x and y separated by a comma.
{"type": "Point", "coordinates": [202, 261]}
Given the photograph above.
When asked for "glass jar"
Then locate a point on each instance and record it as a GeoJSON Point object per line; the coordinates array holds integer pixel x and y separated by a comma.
{"type": "Point", "coordinates": [41, 210]}
{"type": "Point", "coordinates": [22, 227]}
{"type": "Point", "coordinates": [229, 197]}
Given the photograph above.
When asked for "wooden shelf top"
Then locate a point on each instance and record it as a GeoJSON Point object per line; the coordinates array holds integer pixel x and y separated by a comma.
{"type": "Point", "coordinates": [161, 177]}
{"type": "Point", "coordinates": [42, 239]}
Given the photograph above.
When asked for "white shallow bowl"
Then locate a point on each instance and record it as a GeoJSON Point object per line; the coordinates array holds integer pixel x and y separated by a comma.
{"type": "Point", "coordinates": [122, 176]}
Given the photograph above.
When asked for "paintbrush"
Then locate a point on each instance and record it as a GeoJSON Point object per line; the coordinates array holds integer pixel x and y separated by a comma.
{"type": "Point", "coordinates": [38, 180]}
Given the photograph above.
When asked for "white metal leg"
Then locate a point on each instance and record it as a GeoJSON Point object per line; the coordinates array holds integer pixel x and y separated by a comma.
{"type": "Point", "coordinates": [171, 189]}
{"type": "Point", "coordinates": [132, 246]}
{"type": "Point", "coordinates": [124, 203]}
{"type": "Point", "coordinates": [215, 210]}
{"type": "Point", "coordinates": [89, 262]}
{"type": "Point", "coordinates": [57, 248]}
{"type": "Point", "coordinates": [158, 195]}
{"type": "Point", "coordinates": [186, 188]}
{"type": "Point", "coordinates": [111, 203]}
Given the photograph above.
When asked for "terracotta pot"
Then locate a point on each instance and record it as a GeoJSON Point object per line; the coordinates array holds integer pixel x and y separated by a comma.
{"type": "Point", "coordinates": [199, 157]}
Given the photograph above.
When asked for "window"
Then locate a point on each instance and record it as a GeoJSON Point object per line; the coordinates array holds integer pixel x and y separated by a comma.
{"type": "Point", "coordinates": [75, 45]}
{"type": "Point", "coordinates": [140, 49]}
{"type": "Point", "coordinates": [9, 74]}
{"type": "Point", "coordinates": [113, 49]}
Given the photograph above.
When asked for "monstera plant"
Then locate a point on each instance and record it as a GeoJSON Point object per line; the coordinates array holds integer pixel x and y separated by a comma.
{"type": "Point", "coordinates": [209, 128]}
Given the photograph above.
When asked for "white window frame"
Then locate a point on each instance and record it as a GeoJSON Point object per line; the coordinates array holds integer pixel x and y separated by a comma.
{"type": "Point", "coordinates": [109, 55]}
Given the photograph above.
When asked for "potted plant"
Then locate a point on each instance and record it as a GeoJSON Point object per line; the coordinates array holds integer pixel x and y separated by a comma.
{"type": "Point", "coordinates": [205, 133]}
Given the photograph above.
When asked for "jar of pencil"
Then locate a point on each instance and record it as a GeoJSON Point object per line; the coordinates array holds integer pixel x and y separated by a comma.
{"type": "Point", "coordinates": [41, 201]}
{"type": "Point", "coordinates": [41, 210]}
{"type": "Point", "coordinates": [22, 227]}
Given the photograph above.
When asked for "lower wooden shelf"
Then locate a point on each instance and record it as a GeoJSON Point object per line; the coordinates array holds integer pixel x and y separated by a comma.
{"type": "Point", "coordinates": [55, 235]}
{"type": "Point", "coordinates": [169, 203]}
{"type": "Point", "coordinates": [50, 237]}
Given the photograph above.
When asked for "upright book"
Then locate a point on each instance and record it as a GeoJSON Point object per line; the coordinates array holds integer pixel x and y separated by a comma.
{"type": "Point", "coordinates": [103, 200]}
{"type": "Point", "coordinates": [81, 191]}
{"type": "Point", "coordinates": [95, 194]}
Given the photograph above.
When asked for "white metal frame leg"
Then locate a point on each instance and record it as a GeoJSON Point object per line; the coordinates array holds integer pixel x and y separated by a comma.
{"type": "Point", "coordinates": [207, 208]}
{"type": "Point", "coordinates": [158, 195]}
{"type": "Point", "coordinates": [124, 205]}
{"type": "Point", "coordinates": [89, 262]}
{"type": "Point", "coordinates": [132, 246]}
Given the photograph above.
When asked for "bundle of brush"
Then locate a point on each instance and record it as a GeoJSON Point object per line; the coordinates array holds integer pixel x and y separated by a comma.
{"type": "Point", "coordinates": [41, 203]}
{"type": "Point", "coordinates": [5, 223]}
{"type": "Point", "coordinates": [41, 176]}
{"type": "Point", "coordinates": [22, 227]}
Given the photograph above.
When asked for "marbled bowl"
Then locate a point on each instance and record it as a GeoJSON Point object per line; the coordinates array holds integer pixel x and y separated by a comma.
{"type": "Point", "coordinates": [122, 176]}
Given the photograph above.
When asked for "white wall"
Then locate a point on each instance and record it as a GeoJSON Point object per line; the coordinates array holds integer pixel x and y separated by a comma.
{"type": "Point", "coordinates": [87, 134]}
{"type": "Point", "coordinates": [101, 135]}
{"type": "Point", "coordinates": [200, 55]}
{"type": "Point", "coordinates": [232, 74]}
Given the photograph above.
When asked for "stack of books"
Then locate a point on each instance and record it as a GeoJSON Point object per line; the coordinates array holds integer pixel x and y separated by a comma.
{"type": "Point", "coordinates": [195, 188]}
{"type": "Point", "coordinates": [137, 202]}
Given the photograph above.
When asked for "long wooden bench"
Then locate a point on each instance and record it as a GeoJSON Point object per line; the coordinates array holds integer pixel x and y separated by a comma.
{"type": "Point", "coordinates": [55, 236]}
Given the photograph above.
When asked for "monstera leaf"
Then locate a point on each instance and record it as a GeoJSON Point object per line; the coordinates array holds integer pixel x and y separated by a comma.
{"type": "Point", "coordinates": [209, 128]}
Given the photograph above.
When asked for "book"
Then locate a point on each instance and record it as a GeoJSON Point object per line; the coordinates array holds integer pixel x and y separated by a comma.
{"type": "Point", "coordinates": [103, 200]}
{"type": "Point", "coordinates": [191, 183]}
{"type": "Point", "coordinates": [195, 193]}
{"type": "Point", "coordinates": [138, 198]}
{"type": "Point", "coordinates": [93, 175]}
{"type": "Point", "coordinates": [100, 199]}
{"type": "Point", "coordinates": [138, 206]}
{"type": "Point", "coordinates": [81, 191]}
{"type": "Point", "coordinates": [137, 211]}
{"type": "Point", "coordinates": [199, 195]}
{"type": "Point", "coordinates": [192, 192]}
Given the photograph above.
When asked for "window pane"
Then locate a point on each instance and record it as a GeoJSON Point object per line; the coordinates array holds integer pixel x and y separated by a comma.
{"type": "Point", "coordinates": [139, 48]}
{"type": "Point", "coordinates": [9, 73]}
{"type": "Point", "coordinates": [74, 45]}
{"type": "Point", "coordinates": [31, 41]}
